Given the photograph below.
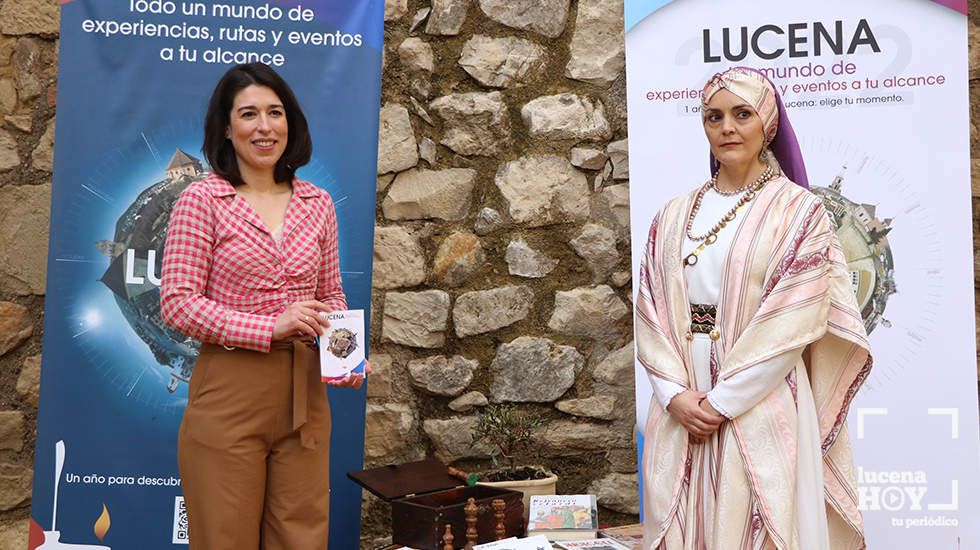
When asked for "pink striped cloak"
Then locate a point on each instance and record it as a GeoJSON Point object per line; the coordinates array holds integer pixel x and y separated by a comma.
{"type": "Point", "coordinates": [785, 286]}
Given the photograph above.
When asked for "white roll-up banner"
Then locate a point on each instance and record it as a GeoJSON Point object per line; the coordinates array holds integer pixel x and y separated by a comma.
{"type": "Point", "coordinates": [877, 92]}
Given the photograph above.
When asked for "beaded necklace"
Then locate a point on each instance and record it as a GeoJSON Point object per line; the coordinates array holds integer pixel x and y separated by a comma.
{"type": "Point", "coordinates": [711, 236]}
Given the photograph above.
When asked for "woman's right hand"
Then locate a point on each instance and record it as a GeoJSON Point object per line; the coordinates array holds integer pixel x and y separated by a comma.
{"type": "Point", "coordinates": [686, 408]}
{"type": "Point", "coordinates": [301, 319]}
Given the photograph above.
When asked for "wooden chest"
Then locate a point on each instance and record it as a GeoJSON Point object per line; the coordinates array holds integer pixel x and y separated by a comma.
{"type": "Point", "coordinates": [424, 498]}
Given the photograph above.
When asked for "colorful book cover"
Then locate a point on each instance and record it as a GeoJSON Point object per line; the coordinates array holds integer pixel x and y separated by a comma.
{"type": "Point", "coordinates": [342, 344]}
{"type": "Point", "coordinates": [554, 512]}
{"type": "Point", "coordinates": [563, 517]}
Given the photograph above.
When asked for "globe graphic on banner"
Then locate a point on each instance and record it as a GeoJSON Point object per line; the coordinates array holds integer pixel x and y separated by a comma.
{"type": "Point", "coordinates": [133, 274]}
{"type": "Point", "coordinates": [864, 240]}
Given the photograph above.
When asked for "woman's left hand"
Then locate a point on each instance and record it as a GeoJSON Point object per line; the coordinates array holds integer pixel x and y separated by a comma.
{"type": "Point", "coordinates": [706, 405]}
{"type": "Point", "coordinates": [352, 380]}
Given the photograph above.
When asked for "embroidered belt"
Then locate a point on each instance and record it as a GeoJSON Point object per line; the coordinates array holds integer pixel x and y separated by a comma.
{"type": "Point", "coordinates": [703, 317]}
{"type": "Point", "coordinates": [703, 320]}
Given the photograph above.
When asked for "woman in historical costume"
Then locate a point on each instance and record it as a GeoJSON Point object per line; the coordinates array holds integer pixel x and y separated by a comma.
{"type": "Point", "coordinates": [250, 263]}
{"type": "Point", "coordinates": [749, 330]}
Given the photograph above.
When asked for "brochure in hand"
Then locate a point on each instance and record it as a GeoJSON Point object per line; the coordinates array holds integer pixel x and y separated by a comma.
{"type": "Point", "coordinates": [342, 344]}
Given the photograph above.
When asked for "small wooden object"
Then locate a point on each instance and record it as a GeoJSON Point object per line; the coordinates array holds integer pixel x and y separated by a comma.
{"type": "Point", "coordinates": [447, 539]}
{"type": "Point", "coordinates": [498, 513]}
{"type": "Point", "coordinates": [424, 498]}
{"type": "Point", "coordinates": [471, 510]}
{"type": "Point", "coordinates": [469, 479]}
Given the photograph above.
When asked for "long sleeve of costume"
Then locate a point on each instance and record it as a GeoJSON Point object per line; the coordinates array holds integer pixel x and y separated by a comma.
{"type": "Point", "coordinates": [664, 390]}
{"type": "Point", "coordinates": [186, 267]}
{"type": "Point", "coordinates": [741, 392]}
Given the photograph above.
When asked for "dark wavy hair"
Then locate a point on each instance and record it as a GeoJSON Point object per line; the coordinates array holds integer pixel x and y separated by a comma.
{"type": "Point", "coordinates": [218, 148]}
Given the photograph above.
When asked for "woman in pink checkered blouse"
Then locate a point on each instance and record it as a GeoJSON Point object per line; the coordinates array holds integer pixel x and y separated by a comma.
{"type": "Point", "coordinates": [249, 265]}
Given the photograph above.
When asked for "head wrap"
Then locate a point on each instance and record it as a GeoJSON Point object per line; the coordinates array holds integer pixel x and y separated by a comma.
{"type": "Point", "coordinates": [778, 136]}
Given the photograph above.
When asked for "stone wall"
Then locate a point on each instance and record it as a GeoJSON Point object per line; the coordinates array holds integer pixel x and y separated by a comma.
{"type": "Point", "coordinates": [501, 253]}
{"type": "Point", "coordinates": [28, 52]}
{"type": "Point", "coordinates": [502, 270]}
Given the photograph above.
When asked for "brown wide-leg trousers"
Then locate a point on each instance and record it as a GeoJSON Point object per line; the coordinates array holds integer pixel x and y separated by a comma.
{"type": "Point", "coordinates": [254, 450]}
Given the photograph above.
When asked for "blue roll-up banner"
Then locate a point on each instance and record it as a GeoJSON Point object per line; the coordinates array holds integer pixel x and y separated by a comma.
{"type": "Point", "coordinates": [133, 83]}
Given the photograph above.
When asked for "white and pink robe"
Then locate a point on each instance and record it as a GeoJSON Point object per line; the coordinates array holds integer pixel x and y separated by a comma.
{"type": "Point", "coordinates": [791, 354]}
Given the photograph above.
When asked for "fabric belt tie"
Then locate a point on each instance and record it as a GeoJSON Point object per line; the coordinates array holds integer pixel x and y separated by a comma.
{"type": "Point", "coordinates": [301, 359]}
{"type": "Point", "coordinates": [301, 362]}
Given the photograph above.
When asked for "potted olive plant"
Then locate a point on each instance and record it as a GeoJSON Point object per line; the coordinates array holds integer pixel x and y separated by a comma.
{"type": "Point", "coordinates": [510, 431]}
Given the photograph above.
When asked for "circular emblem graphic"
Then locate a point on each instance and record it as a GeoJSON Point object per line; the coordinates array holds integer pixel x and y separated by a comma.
{"type": "Point", "coordinates": [342, 343]}
{"type": "Point", "coordinates": [864, 239]}
{"type": "Point", "coordinates": [133, 272]}
{"type": "Point", "coordinates": [895, 254]}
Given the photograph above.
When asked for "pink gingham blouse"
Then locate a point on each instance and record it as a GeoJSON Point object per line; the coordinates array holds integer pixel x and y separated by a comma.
{"type": "Point", "coordinates": [224, 277]}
